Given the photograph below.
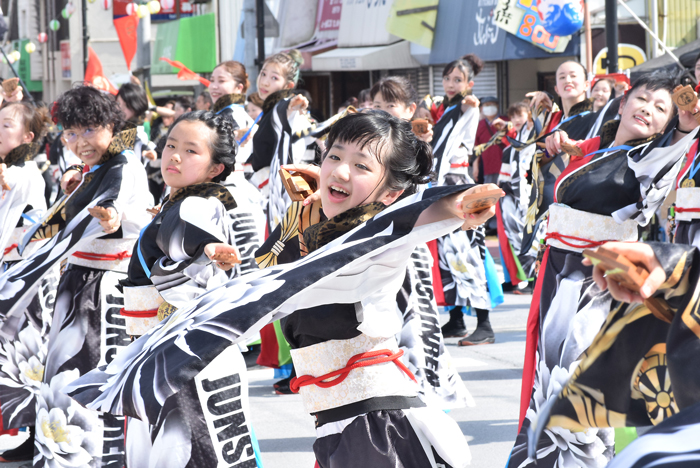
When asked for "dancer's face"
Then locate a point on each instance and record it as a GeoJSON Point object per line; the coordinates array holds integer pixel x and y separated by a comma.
{"type": "Point", "coordinates": [187, 156]}
{"type": "Point", "coordinates": [12, 131]}
{"type": "Point", "coordinates": [352, 176]}
{"type": "Point", "coordinates": [455, 83]}
{"type": "Point", "coordinates": [397, 109]}
{"type": "Point", "coordinates": [272, 79]}
{"type": "Point", "coordinates": [88, 143]}
{"type": "Point", "coordinates": [222, 84]}
{"type": "Point", "coordinates": [571, 81]}
{"type": "Point", "coordinates": [644, 112]}
{"type": "Point", "coordinates": [601, 94]}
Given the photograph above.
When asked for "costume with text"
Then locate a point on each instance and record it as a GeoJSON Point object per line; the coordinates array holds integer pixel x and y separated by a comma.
{"type": "Point", "coordinates": [348, 269]}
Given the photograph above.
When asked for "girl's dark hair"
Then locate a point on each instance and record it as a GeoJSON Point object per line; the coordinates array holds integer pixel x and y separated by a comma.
{"type": "Point", "coordinates": [255, 99]}
{"type": "Point", "coordinates": [653, 82]}
{"type": "Point", "coordinates": [470, 65]}
{"type": "Point", "coordinates": [222, 145]}
{"type": "Point", "coordinates": [185, 102]}
{"type": "Point", "coordinates": [35, 119]}
{"type": "Point", "coordinates": [290, 61]}
{"type": "Point", "coordinates": [364, 95]}
{"type": "Point", "coordinates": [407, 160]}
{"type": "Point", "coordinates": [585, 72]}
{"type": "Point", "coordinates": [134, 96]}
{"type": "Point", "coordinates": [517, 108]}
{"type": "Point", "coordinates": [395, 89]}
{"type": "Point", "coordinates": [85, 106]}
{"type": "Point", "coordinates": [237, 71]}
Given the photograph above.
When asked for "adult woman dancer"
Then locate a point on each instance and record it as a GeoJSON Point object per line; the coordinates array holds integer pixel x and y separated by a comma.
{"type": "Point", "coordinates": [635, 163]}
{"type": "Point", "coordinates": [86, 330]}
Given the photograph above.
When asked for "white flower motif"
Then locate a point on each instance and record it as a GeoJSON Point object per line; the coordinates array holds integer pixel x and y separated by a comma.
{"type": "Point", "coordinates": [64, 430]}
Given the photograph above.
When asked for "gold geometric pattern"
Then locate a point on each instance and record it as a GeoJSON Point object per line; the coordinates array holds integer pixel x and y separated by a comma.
{"type": "Point", "coordinates": [653, 384]}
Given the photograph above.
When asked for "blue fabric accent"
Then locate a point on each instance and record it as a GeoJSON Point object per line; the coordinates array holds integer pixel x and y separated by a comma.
{"type": "Point", "coordinates": [257, 119]}
{"type": "Point", "coordinates": [609, 150]}
{"type": "Point", "coordinates": [29, 218]}
{"type": "Point", "coordinates": [446, 111]}
{"type": "Point", "coordinates": [256, 448]}
{"type": "Point", "coordinates": [283, 371]}
{"type": "Point", "coordinates": [571, 118]}
{"type": "Point", "coordinates": [493, 281]}
{"type": "Point", "coordinates": [138, 250]}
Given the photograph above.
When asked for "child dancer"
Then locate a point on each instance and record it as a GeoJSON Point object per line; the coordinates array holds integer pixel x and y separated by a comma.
{"type": "Point", "coordinates": [340, 303]}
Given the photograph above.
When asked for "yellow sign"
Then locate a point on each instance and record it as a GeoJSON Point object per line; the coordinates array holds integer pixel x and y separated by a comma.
{"type": "Point", "coordinates": [413, 20]}
{"type": "Point", "coordinates": [629, 56]}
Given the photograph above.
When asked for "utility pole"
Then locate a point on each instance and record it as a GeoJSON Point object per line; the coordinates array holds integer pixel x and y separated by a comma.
{"type": "Point", "coordinates": [260, 14]}
{"type": "Point", "coordinates": [611, 34]}
{"type": "Point", "coordinates": [249, 35]}
{"type": "Point", "coordinates": [83, 5]}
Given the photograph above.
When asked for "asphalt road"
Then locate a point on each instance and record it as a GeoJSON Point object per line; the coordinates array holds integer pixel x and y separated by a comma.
{"type": "Point", "coordinates": [491, 373]}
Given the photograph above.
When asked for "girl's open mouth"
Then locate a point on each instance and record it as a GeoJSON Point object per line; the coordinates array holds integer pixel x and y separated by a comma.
{"type": "Point", "coordinates": [337, 194]}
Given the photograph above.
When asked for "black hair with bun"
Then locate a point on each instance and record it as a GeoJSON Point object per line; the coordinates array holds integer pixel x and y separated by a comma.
{"type": "Point", "coordinates": [408, 161]}
{"type": "Point", "coordinates": [470, 65]}
{"type": "Point", "coordinates": [84, 106]}
{"type": "Point", "coordinates": [223, 145]}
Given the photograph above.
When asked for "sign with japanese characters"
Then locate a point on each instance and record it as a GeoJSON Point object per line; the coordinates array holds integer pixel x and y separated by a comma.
{"type": "Point", "coordinates": [520, 18]}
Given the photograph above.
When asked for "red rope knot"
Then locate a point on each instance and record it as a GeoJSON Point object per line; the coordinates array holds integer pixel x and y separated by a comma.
{"type": "Point", "coordinates": [680, 209]}
{"type": "Point", "coordinates": [103, 257]}
{"type": "Point", "coordinates": [584, 243]}
{"type": "Point", "coordinates": [367, 359]}
{"type": "Point", "coordinates": [9, 249]}
{"type": "Point", "coordinates": [138, 313]}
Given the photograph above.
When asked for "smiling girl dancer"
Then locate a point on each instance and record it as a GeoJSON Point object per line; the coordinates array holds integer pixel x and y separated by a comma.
{"type": "Point", "coordinates": [632, 160]}
{"type": "Point", "coordinates": [340, 303]}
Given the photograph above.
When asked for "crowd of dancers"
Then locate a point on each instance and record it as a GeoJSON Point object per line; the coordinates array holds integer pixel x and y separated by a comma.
{"type": "Point", "coordinates": [142, 259]}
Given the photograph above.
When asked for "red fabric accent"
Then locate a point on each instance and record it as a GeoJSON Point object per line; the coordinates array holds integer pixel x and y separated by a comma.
{"type": "Point", "coordinates": [584, 243]}
{"type": "Point", "coordinates": [126, 27]}
{"type": "Point", "coordinates": [680, 209]}
{"type": "Point", "coordinates": [689, 157]}
{"type": "Point", "coordinates": [9, 249]}
{"type": "Point", "coordinates": [437, 111]}
{"type": "Point", "coordinates": [533, 334]}
{"type": "Point", "coordinates": [492, 156]}
{"type": "Point", "coordinates": [464, 164]}
{"type": "Point", "coordinates": [367, 359]}
{"type": "Point", "coordinates": [102, 257]}
{"type": "Point", "coordinates": [504, 173]}
{"type": "Point", "coordinates": [95, 75]}
{"type": "Point", "coordinates": [185, 73]}
{"type": "Point", "coordinates": [506, 251]}
{"type": "Point", "coordinates": [554, 121]}
{"type": "Point", "coordinates": [138, 313]}
{"type": "Point", "coordinates": [269, 348]}
{"type": "Point", "coordinates": [13, 432]}
{"type": "Point", "coordinates": [575, 162]}
{"type": "Point", "coordinates": [438, 292]}
{"type": "Point", "coordinates": [267, 181]}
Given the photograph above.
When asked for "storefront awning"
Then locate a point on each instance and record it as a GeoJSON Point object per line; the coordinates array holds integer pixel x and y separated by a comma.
{"type": "Point", "coordinates": [466, 27]}
{"type": "Point", "coordinates": [385, 57]}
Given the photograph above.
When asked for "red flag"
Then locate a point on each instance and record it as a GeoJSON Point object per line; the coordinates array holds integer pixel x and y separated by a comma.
{"type": "Point", "coordinates": [185, 73]}
{"type": "Point", "coordinates": [126, 27]}
{"type": "Point", "coordinates": [94, 74]}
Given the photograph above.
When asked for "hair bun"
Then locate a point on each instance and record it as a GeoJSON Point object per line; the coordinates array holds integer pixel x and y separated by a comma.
{"type": "Point", "coordinates": [296, 57]}
{"type": "Point", "coordinates": [476, 63]}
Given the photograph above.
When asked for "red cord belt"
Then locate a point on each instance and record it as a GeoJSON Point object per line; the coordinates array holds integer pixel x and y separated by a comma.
{"type": "Point", "coordinates": [14, 246]}
{"type": "Point", "coordinates": [680, 209]}
{"type": "Point", "coordinates": [138, 313]}
{"type": "Point", "coordinates": [584, 243]}
{"type": "Point", "coordinates": [369, 358]}
{"type": "Point", "coordinates": [102, 257]}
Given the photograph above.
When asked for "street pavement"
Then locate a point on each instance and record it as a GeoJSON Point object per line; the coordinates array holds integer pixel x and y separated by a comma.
{"type": "Point", "coordinates": [491, 373]}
